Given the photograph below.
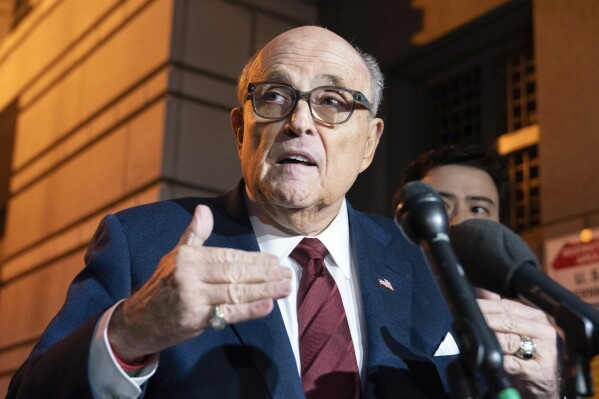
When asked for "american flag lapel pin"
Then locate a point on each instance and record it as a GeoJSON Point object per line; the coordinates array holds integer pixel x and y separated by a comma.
{"type": "Point", "coordinates": [386, 283]}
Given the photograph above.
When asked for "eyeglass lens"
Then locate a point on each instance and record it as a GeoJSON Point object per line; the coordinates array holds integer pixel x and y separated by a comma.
{"type": "Point", "coordinates": [328, 104]}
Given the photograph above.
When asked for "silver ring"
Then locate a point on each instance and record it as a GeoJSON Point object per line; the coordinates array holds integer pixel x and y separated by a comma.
{"type": "Point", "coordinates": [217, 318]}
{"type": "Point", "coordinates": [527, 348]}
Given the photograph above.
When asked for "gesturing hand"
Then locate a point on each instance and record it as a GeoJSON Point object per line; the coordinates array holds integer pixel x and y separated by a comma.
{"type": "Point", "coordinates": [174, 304]}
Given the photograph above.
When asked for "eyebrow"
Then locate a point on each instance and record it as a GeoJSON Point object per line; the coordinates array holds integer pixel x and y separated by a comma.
{"type": "Point", "coordinates": [446, 195]}
{"type": "Point", "coordinates": [482, 198]}
{"type": "Point", "coordinates": [332, 79]}
{"type": "Point", "coordinates": [279, 76]}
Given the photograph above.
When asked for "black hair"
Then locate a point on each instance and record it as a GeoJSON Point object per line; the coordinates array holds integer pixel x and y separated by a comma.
{"type": "Point", "coordinates": [473, 155]}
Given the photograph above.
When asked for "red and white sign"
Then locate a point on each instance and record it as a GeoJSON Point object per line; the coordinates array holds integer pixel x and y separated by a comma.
{"type": "Point", "coordinates": [575, 264]}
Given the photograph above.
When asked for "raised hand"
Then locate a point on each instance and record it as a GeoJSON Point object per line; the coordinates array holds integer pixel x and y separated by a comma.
{"type": "Point", "coordinates": [174, 305]}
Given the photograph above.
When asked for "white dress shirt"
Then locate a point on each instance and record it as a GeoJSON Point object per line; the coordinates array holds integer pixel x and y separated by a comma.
{"type": "Point", "coordinates": [108, 380]}
{"type": "Point", "coordinates": [339, 262]}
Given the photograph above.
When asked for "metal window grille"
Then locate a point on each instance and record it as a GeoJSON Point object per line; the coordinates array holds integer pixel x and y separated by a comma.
{"type": "Point", "coordinates": [521, 91]}
{"type": "Point", "coordinates": [524, 189]}
{"type": "Point", "coordinates": [456, 109]}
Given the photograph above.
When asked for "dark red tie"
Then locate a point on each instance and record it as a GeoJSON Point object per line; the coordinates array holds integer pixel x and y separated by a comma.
{"type": "Point", "coordinates": [328, 360]}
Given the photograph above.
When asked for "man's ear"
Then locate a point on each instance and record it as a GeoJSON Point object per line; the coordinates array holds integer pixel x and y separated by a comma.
{"type": "Point", "coordinates": [375, 131]}
{"type": "Point", "coordinates": [237, 125]}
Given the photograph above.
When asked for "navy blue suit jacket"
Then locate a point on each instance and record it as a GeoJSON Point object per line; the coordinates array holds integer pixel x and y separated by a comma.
{"type": "Point", "coordinates": [251, 359]}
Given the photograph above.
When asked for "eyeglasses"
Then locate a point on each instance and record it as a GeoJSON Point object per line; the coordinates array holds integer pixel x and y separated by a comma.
{"type": "Point", "coordinates": [328, 104]}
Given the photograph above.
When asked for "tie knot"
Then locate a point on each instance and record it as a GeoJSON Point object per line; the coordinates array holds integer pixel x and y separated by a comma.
{"type": "Point", "coordinates": [310, 252]}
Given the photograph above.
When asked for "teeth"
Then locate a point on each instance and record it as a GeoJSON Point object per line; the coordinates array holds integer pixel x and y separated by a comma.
{"type": "Point", "coordinates": [299, 158]}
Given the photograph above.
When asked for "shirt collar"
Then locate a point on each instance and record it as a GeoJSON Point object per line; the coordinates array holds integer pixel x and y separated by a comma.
{"type": "Point", "coordinates": [272, 240]}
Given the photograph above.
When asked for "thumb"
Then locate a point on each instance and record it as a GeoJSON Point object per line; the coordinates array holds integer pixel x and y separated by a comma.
{"type": "Point", "coordinates": [200, 227]}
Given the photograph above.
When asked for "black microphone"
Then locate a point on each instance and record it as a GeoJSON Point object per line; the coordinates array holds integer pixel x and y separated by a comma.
{"type": "Point", "coordinates": [497, 259]}
{"type": "Point", "coordinates": [422, 217]}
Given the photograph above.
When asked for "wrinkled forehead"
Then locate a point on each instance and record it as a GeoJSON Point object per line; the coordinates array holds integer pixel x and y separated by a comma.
{"type": "Point", "coordinates": [310, 59]}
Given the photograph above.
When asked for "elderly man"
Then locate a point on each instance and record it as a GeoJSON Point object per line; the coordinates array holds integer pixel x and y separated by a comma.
{"type": "Point", "coordinates": [279, 289]}
{"type": "Point", "coordinates": [473, 183]}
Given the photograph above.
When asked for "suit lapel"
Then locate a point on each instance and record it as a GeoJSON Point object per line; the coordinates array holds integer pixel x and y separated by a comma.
{"type": "Point", "coordinates": [265, 339]}
{"type": "Point", "coordinates": [404, 313]}
{"type": "Point", "coordinates": [386, 291]}
{"type": "Point", "coordinates": [398, 290]}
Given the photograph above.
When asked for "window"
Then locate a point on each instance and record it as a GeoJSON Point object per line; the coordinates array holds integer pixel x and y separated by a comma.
{"type": "Point", "coordinates": [521, 107]}
{"type": "Point", "coordinates": [456, 109]}
{"type": "Point", "coordinates": [524, 189]}
{"type": "Point", "coordinates": [521, 91]}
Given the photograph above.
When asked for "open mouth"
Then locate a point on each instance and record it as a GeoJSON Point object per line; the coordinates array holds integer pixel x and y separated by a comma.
{"type": "Point", "coordinates": [296, 159]}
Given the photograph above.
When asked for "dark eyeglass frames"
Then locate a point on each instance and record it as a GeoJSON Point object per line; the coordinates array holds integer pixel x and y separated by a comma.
{"type": "Point", "coordinates": [329, 104]}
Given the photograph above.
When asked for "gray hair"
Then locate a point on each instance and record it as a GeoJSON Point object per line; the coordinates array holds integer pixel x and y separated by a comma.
{"type": "Point", "coordinates": [377, 80]}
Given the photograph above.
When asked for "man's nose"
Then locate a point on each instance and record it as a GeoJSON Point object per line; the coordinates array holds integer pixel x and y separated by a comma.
{"type": "Point", "coordinates": [301, 118]}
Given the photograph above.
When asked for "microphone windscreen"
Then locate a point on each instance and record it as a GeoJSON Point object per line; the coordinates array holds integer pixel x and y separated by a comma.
{"type": "Point", "coordinates": [413, 189]}
{"type": "Point", "coordinates": [490, 253]}
{"type": "Point", "coordinates": [420, 212]}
